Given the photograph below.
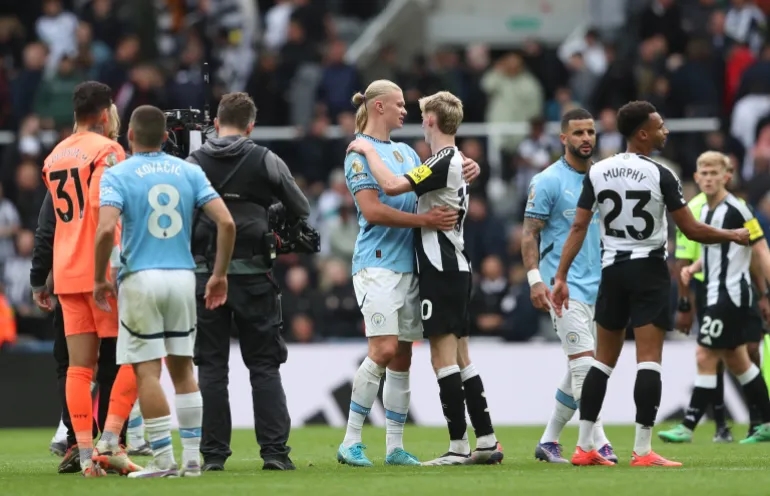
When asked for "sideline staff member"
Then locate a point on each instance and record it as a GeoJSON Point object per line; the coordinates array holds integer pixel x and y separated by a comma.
{"type": "Point", "coordinates": [248, 177]}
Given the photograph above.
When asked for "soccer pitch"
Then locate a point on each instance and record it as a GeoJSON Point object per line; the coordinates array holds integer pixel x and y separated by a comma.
{"type": "Point", "coordinates": [27, 469]}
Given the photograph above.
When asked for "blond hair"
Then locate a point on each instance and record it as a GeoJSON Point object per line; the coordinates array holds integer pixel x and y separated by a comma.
{"type": "Point", "coordinates": [114, 123]}
{"type": "Point", "coordinates": [448, 109]}
{"type": "Point", "coordinates": [362, 100]}
{"type": "Point", "coordinates": [713, 158]}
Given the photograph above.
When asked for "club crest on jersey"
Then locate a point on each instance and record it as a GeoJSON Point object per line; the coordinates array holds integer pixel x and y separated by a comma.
{"type": "Point", "coordinates": [111, 160]}
{"type": "Point", "coordinates": [357, 166]}
{"type": "Point", "coordinates": [398, 156]}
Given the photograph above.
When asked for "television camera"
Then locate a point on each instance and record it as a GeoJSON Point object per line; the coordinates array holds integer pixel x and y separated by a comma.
{"type": "Point", "coordinates": [188, 128]}
{"type": "Point", "coordinates": [291, 237]}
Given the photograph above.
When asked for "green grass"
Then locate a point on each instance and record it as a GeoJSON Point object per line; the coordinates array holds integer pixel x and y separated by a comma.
{"type": "Point", "coordinates": [26, 469]}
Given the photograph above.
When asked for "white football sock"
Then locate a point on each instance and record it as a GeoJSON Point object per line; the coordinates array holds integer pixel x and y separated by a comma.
{"type": "Point", "coordinates": [643, 440]}
{"type": "Point", "coordinates": [586, 435]}
{"type": "Point", "coordinates": [395, 399]}
{"type": "Point", "coordinates": [61, 433]}
{"type": "Point", "coordinates": [562, 413]}
{"type": "Point", "coordinates": [579, 368]}
{"type": "Point", "coordinates": [366, 385]}
{"type": "Point", "coordinates": [600, 438]}
{"type": "Point", "coordinates": [189, 411]}
{"type": "Point", "coordinates": [135, 427]}
{"type": "Point", "coordinates": [159, 434]}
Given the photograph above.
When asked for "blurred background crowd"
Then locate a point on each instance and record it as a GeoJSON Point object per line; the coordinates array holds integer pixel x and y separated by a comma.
{"type": "Point", "coordinates": [691, 58]}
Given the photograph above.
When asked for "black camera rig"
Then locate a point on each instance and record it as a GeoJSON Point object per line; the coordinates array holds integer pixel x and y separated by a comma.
{"type": "Point", "coordinates": [291, 237]}
{"type": "Point", "coordinates": [188, 128]}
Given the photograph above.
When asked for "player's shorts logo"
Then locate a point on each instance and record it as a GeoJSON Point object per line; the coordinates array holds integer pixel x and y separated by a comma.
{"type": "Point", "coordinates": [378, 320]}
{"type": "Point", "coordinates": [398, 156]}
{"type": "Point", "coordinates": [357, 166]}
{"type": "Point", "coordinates": [573, 338]}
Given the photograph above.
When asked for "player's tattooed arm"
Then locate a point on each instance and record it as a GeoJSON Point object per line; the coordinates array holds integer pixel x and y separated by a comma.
{"type": "Point", "coordinates": [530, 242]}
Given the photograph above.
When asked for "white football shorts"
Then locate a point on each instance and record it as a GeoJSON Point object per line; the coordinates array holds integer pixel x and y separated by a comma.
{"type": "Point", "coordinates": [389, 302]}
{"type": "Point", "coordinates": [157, 315]}
{"type": "Point", "coordinates": [576, 328]}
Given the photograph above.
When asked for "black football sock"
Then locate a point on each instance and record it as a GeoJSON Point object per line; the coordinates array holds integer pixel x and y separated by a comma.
{"type": "Point", "coordinates": [450, 386]}
{"type": "Point", "coordinates": [475, 399]}
{"type": "Point", "coordinates": [594, 390]}
{"type": "Point", "coordinates": [755, 389]}
{"type": "Point", "coordinates": [647, 392]}
{"type": "Point", "coordinates": [718, 399]}
{"type": "Point", "coordinates": [702, 396]}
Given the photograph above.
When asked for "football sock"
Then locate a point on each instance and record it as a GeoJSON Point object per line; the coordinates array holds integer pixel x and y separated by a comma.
{"type": "Point", "coordinates": [702, 395]}
{"type": "Point", "coordinates": [366, 385]}
{"type": "Point", "coordinates": [579, 367]}
{"type": "Point", "coordinates": [135, 426]}
{"type": "Point", "coordinates": [478, 409]}
{"type": "Point", "coordinates": [450, 386]}
{"type": "Point", "coordinates": [122, 399]}
{"type": "Point", "coordinates": [395, 398]}
{"type": "Point", "coordinates": [61, 433]}
{"type": "Point", "coordinates": [594, 389]}
{"type": "Point", "coordinates": [159, 434]}
{"type": "Point", "coordinates": [755, 417]}
{"type": "Point", "coordinates": [189, 411]}
{"type": "Point", "coordinates": [81, 410]}
{"type": "Point", "coordinates": [647, 392]}
{"type": "Point", "coordinates": [755, 389]}
{"type": "Point", "coordinates": [600, 438]}
{"type": "Point", "coordinates": [719, 397]}
{"type": "Point", "coordinates": [562, 413]}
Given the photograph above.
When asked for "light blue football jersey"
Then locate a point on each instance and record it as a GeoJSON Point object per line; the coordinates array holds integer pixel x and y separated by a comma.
{"type": "Point", "coordinates": [157, 195]}
{"type": "Point", "coordinates": [553, 197]}
{"type": "Point", "coordinates": [381, 246]}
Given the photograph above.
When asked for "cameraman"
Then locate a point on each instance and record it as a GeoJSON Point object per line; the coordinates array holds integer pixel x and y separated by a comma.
{"type": "Point", "coordinates": [248, 177]}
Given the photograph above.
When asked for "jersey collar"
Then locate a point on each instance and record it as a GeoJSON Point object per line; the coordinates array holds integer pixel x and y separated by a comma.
{"type": "Point", "coordinates": [362, 135]}
{"type": "Point", "coordinates": [568, 166]}
{"type": "Point", "coordinates": [149, 154]}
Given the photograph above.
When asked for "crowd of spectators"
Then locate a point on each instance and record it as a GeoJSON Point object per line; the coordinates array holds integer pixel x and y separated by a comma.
{"type": "Point", "coordinates": [691, 58]}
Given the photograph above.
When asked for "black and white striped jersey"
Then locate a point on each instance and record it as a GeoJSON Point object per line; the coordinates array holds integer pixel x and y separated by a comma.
{"type": "Point", "coordinates": [632, 193]}
{"type": "Point", "coordinates": [726, 265]}
{"type": "Point", "coordinates": [439, 182]}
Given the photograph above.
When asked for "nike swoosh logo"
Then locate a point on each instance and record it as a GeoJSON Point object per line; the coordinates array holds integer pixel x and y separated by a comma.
{"type": "Point", "coordinates": [363, 300]}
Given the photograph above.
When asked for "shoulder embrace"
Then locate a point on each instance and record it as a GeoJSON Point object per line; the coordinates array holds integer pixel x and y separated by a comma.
{"type": "Point", "coordinates": [354, 162]}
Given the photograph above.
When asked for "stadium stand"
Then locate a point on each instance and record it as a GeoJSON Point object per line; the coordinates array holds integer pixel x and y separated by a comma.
{"type": "Point", "coordinates": [693, 59]}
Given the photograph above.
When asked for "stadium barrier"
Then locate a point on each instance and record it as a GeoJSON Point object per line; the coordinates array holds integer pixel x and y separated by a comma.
{"type": "Point", "coordinates": [520, 382]}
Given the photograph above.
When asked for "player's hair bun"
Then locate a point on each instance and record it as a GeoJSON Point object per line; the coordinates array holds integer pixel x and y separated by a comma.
{"type": "Point", "coordinates": [358, 99]}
